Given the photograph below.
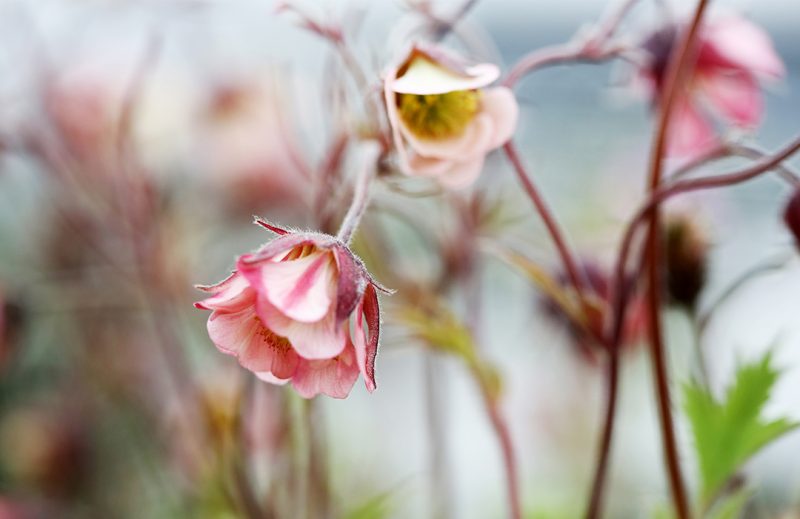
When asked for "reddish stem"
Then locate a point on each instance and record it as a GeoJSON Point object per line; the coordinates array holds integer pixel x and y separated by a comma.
{"type": "Point", "coordinates": [677, 71]}
{"type": "Point", "coordinates": [549, 220]}
{"type": "Point", "coordinates": [500, 426]}
{"type": "Point", "coordinates": [604, 451]}
{"type": "Point", "coordinates": [509, 463]}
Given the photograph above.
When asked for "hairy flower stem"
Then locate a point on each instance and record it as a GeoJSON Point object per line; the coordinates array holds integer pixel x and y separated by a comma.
{"type": "Point", "coordinates": [370, 154]}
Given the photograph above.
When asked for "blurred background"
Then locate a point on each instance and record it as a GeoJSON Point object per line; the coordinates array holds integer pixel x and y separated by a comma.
{"type": "Point", "coordinates": [138, 138]}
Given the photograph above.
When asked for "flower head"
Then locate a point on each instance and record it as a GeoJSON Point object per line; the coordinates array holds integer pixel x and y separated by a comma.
{"type": "Point", "coordinates": [601, 284]}
{"type": "Point", "coordinates": [286, 313]}
{"type": "Point", "coordinates": [733, 55]}
{"type": "Point", "coordinates": [443, 120]}
{"type": "Point", "coordinates": [792, 216]}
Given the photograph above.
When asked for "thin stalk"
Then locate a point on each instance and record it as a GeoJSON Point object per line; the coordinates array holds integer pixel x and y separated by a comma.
{"type": "Point", "coordinates": [503, 435]}
{"type": "Point", "coordinates": [786, 173]}
{"type": "Point", "coordinates": [360, 201]}
{"type": "Point", "coordinates": [441, 487]}
{"type": "Point", "coordinates": [319, 492]}
{"type": "Point", "coordinates": [567, 257]}
{"type": "Point", "coordinates": [594, 47]}
{"type": "Point", "coordinates": [443, 27]}
{"type": "Point", "coordinates": [677, 71]}
{"type": "Point", "coordinates": [604, 450]}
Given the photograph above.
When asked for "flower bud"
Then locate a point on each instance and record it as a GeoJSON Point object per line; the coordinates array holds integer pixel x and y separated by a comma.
{"type": "Point", "coordinates": [792, 216]}
{"type": "Point", "coordinates": [595, 315]}
{"type": "Point", "coordinates": [11, 323]}
{"type": "Point", "coordinates": [686, 258]}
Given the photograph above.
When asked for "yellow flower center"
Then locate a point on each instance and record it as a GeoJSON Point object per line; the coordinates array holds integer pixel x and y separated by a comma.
{"type": "Point", "coordinates": [438, 116]}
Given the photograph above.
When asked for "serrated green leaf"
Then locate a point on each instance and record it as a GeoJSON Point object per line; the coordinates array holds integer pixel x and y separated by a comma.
{"type": "Point", "coordinates": [728, 432]}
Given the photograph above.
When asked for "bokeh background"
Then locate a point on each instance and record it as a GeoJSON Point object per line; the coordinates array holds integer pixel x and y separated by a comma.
{"type": "Point", "coordinates": [92, 413]}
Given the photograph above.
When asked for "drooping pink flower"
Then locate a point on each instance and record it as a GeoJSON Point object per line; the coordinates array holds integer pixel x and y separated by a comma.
{"type": "Point", "coordinates": [443, 120]}
{"type": "Point", "coordinates": [288, 310]}
{"type": "Point", "coordinates": [733, 56]}
{"type": "Point", "coordinates": [792, 216]}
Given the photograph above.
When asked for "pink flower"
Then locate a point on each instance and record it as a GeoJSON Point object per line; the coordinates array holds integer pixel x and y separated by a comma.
{"type": "Point", "coordinates": [287, 311]}
{"type": "Point", "coordinates": [443, 120]}
{"type": "Point", "coordinates": [733, 55]}
{"type": "Point", "coordinates": [245, 144]}
{"type": "Point", "coordinates": [792, 216]}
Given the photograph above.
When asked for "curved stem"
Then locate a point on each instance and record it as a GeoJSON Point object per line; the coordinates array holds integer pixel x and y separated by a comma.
{"type": "Point", "coordinates": [440, 469]}
{"type": "Point", "coordinates": [595, 48]}
{"type": "Point", "coordinates": [490, 390]}
{"type": "Point", "coordinates": [509, 462]}
{"type": "Point", "coordinates": [604, 451]}
{"type": "Point", "coordinates": [786, 173]}
{"type": "Point", "coordinates": [564, 252]}
{"type": "Point", "coordinates": [678, 69]}
{"type": "Point", "coordinates": [766, 164]}
{"type": "Point", "coordinates": [360, 201]}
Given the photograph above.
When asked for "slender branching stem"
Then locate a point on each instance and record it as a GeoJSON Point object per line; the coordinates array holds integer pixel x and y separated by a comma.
{"type": "Point", "coordinates": [678, 69]}
{"type": "Point", "coordinates": [566, 255]}
{"type": "Point", "coordinates": [369, 159]}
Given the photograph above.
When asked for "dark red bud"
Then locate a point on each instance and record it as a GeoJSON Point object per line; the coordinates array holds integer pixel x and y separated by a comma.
{"type": "Point", "coordinates": [792, 216]}
{"type": "Point", "coordinates": [687, 251]}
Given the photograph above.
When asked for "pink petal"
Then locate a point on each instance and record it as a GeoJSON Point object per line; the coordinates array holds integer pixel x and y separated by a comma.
{"type": "Point", "coordinates": [352, 282]}
{"type": "Point", "coordinates": [301, 288]}
{"type": "Point", "coordinates": [283, 244]}
{"type": "Point", "coordinates": [734, 41]}
{"type": "Point", "coordinates": [266, 376]}
{"type": "Point", "coordinates": [333, 377]}
{"type": "Point", "coordinates": [319, 340]}
{"type": "Point", "coordinates": [501, 106]}
{"type": "Point", "coordinates": [231, 294]}
{"type": "Point", "coordinates": [476, 139]}
{"type": "Point", "coordinates": [243, 335]}
{"type": "Point", "coordinates": [367, 348]}
{"type": "Point", "coordinates": [462, 174]}
{"type": "Point", "coordinates": [736, 96]}
{"type": "Point", "coordinates": [690, 133]}
{"type": "Point", "coordinates": [417, 165]}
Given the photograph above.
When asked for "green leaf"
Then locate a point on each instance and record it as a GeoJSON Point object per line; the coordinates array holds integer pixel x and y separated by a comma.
{"type": "Point", "coordinates": [376, 507]}
{"type": "Point", "coordinates": [728, 432]}
{"type": "Point", "coordinates": [733, 506]}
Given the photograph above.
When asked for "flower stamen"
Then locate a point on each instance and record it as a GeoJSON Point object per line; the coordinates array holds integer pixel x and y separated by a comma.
{"type": "Point", "coordinates": [438, 116]}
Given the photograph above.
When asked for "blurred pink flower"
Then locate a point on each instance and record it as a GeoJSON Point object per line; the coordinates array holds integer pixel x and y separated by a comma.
{"type": "Point", "coordinates": [733, 55]}
{"type": "Point", "coordinates": [443, 120]}
{"type": "Point", "coordinates": [82, 105]}
{"type": "Point", "coordinates": [792, 216]}
{"type": "Point", "coordinates": [286, 314]}
{"type": "Point", "coordinates": [245, 145]}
